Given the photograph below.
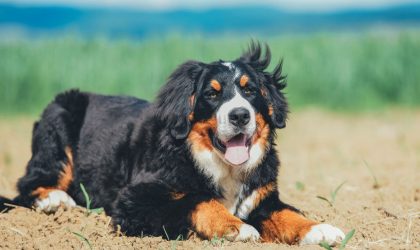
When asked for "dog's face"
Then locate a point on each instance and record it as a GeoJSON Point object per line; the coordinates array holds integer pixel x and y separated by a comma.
{"type": "Point", "coordinates": [227, 110]}
{"type": "Point", "coordinates": [230, 101]}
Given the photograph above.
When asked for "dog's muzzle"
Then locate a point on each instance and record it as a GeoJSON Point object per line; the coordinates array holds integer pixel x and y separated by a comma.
{"type": "Point", "coordinates": [236, 126]}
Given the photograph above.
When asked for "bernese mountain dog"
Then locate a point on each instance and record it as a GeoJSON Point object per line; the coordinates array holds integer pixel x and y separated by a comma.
{"type": "Point", "coordinates": [201, 158]}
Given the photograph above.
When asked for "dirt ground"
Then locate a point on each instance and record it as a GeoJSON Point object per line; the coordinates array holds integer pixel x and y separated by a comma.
{"type": "Point", "coordinates": [319, 151]}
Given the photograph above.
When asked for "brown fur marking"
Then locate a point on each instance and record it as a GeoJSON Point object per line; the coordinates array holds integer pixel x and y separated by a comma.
{"type": "Point", "coordinates": [216, 85]}
{"type": "Point", "coordinates": [285, 226]}
{"type": "Point", "coordinates": [177, 195]}
{"type": "Point", "coordinates": [199, 135]}
{"type": "Point", "coordinates": [191, 116]}
{"type": "Point", "coordinates": [244, 80]}
{"type": "Point", "coordinates": [263, 192]}
{"type": "Point", "coordinates": [64, 180]}
{"type": "Point", "coordinates": [270, 110]}
{"type": "Point", "coordinates": [211, 218]}
{"type": "Point", "coordinates": [263, 131]}
{"type": "Point", "coordinates": [42, 192]}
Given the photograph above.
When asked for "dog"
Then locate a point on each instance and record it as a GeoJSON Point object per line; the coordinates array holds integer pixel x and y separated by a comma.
{"type": "Point", "coordinates": [201, 158]}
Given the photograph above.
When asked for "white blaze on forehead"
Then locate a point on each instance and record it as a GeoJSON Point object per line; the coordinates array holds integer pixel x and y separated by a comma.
{"type": "Point", "coordinates": [226, 130]}
{"type": "Point", "coordinates": [229, 65]}
{"type": "Point", "coordinates": [233, 68]}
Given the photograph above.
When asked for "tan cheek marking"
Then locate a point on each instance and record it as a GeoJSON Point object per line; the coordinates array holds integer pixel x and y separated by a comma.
{"type": "Point", "coordinates": [191, 116]}
{"type": "Point", "coordinates": [211, 218]}
{"type": "Point", "coordinates": [65, 178]}
{"type": "Point", "coordinates": [199, 136]}
{"type": "Point", "coordinates": [244, 80]}
{"type": "Point", "coordinates": [285, 226]}
{"type": "Point", "coordinates": [263, 131]}
{"type": "Point", "coordinates": [216, 85]}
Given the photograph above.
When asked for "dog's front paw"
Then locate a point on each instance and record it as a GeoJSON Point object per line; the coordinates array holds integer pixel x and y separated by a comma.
{"type": "Point", "coordinates": [323, 232]}
{"type": "Point", "coordinates": [247, 233]}
{"type": "Point", "coordinates": [53, 201]}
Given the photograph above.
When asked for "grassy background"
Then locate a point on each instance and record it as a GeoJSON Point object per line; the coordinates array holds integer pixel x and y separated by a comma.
{"type": "Point", "coordinates": [344, 72]}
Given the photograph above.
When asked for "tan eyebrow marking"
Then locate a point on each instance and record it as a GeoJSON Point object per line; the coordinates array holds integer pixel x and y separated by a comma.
{"type": "Point", "coordinates": [244, 80]}
{"type": "Point", "coordinates": [215, 85]}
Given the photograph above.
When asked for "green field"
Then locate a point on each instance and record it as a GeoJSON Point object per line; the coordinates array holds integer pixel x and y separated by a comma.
{"type": "Point", "coordinates": [345, 71]}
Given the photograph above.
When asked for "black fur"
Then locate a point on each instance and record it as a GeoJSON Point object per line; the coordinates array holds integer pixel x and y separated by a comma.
{"type": "Point", "coordinates": [130, 154]}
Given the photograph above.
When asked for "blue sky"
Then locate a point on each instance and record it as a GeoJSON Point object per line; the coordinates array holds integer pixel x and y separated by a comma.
{"type": "Point", "coordinates": [298, 5]}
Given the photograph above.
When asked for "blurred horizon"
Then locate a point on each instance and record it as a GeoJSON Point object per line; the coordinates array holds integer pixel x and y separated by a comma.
{"type": "Point", "coordinates": [22, 19]}
{"type": "Point", "coordinates": [340, 55]}
{"type": "Point", "coordinates": [288, 5]}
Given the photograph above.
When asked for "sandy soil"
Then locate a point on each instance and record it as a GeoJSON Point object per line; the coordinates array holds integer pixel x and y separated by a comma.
{"type": "Point", "coordinates": [319, 151]}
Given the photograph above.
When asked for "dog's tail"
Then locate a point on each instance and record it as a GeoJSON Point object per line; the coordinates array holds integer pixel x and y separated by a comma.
{"type": "Point", "coordinates": [4, 204]}
{"type": "Point", "coordinates": [8, 204]}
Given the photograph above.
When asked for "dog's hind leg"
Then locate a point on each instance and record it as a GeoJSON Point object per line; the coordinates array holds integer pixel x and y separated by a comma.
{"type": "Point", "coordinates": [50, 198]}
{"type": "Point", "coordinates": [49, 173]}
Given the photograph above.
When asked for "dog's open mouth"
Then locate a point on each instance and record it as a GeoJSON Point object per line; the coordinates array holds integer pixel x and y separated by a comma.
{"type": "Point", "coordinates": [235, 150]}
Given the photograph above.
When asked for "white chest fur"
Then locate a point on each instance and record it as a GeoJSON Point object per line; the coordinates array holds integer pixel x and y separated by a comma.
{"type": "Point", "coordinates": [231, 190]}
{"type": "Point", "coordinates": [223, 176]}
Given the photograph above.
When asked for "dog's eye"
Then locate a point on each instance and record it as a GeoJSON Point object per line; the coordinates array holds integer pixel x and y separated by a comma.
{"type": "Point", "coordinates": [248, 91]}
{"type": "Point", "coordinates": [212, 94]}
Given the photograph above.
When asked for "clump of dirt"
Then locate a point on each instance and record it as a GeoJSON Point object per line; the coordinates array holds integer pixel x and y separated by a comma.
{"type": "Point", "coordinates": [376, 155]}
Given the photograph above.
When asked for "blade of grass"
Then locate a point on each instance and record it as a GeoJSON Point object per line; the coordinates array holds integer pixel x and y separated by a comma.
{"type": "Point", "coordinates": [216, 241]}
{"type": "Point", "coordinates": [98, 210]}
{"type": "Point", "coordinates": [324, 199]}
{"type": "Point", "coordinates": [166, 233]}
{"type": "Point", "coordinates": [349, 235]}
{"type": "Point", "coordinates": [375, 181]}
{"type": "Point", "coordinates": [334, 193]}
{"type": "Point", "coordinates": [325, 245]}
{"type": "Point", "coordinates": [174, 244]}
{"type": "Point", "coordinates": [83, 238]}
{"type": "Point", "coordinates": [86, 195]}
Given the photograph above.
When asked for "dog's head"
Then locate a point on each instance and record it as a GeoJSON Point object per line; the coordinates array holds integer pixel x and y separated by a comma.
{"type": "Point", "coordinates": [227, 110]}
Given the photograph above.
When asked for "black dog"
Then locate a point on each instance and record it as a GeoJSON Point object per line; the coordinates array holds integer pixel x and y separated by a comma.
{"type": "Point", "coordinates": [200, 158]}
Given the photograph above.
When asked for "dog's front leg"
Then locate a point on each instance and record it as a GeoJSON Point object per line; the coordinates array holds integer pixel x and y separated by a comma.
{"type": "Point", "coordinates": [279, 222]}
{"type": "Point", "coordinates": [211, 219]}
{"type": "Point", "coordinates": [154, 209]}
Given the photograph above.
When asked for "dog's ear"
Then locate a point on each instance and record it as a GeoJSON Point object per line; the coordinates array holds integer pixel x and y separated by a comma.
{"type": "Point", "coordinates": [278, 107]}
{"type": "Point", "coordinates": [176, 100]}
{"type": "Point", "coordinates": [272, 82]}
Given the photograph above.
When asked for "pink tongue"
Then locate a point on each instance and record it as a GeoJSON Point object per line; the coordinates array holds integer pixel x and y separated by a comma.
{"type": "Point", "coordinates": [236, 150]}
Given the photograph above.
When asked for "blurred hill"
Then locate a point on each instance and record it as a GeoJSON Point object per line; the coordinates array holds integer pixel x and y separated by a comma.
{"type": "Point", "coordinates": [18, 20]}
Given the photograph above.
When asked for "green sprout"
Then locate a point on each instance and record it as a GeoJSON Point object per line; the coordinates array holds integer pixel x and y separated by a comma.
{"type": "Point", "coordinates": [333, 195]}
{"type": "Point", "coordinates": [375, 180]}
{"type": "Point", "coordinates": [343, 243]}
{"type": "Point", "coordinates": [300, 186]}
{"type": "Point", "coordinates": [89, 202]}
{"type": "Point", "coordinates": [83, 239]}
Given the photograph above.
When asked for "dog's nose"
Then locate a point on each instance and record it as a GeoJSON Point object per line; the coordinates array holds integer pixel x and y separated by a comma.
{"type": "Point", "coordinates": [239, 116]}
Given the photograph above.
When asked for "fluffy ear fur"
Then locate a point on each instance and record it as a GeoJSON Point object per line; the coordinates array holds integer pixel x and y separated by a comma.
{"type": "Point", "coordinates": [176, 99]}
{"type": "Point", "coordinates": [273, 84]}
